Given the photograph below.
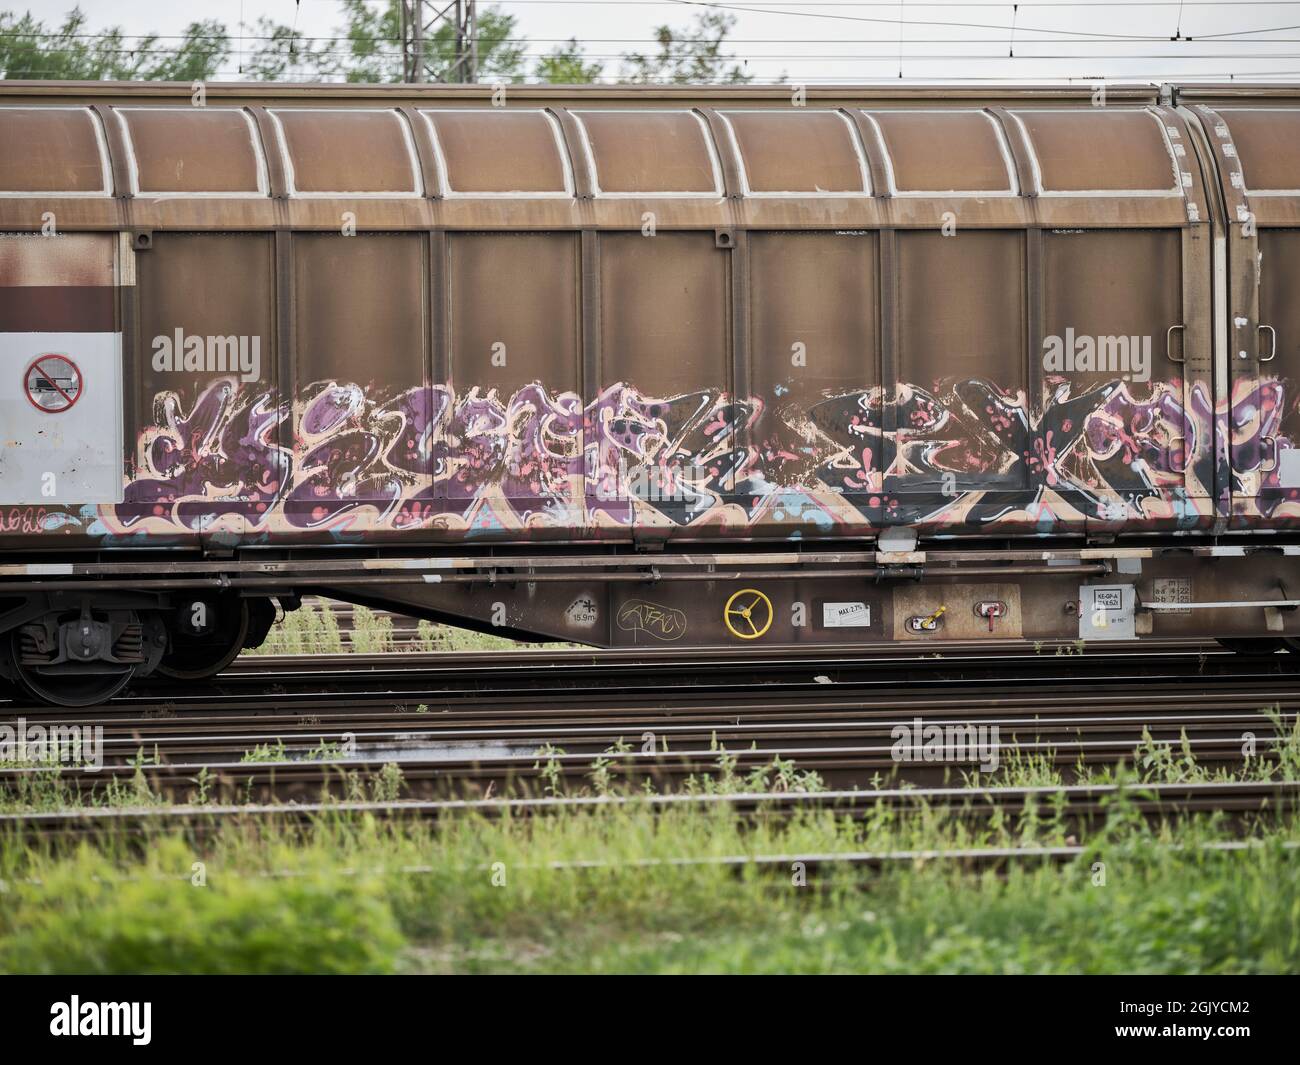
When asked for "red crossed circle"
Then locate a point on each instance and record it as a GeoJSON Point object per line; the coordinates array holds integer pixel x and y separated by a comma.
{"type": "Point", "coordinates": [41, 370]}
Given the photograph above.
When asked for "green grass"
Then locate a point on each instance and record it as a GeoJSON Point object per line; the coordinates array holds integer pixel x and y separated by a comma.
{"type": "Point", "coordinates": [277, 752]}
{"type": "Point", "coordinates": [475, 895]}
{"type": "Point", "coordinates": [49, 790]}
{"type": "Point", "coordinates": [1150, 763]}
{"type": "Point", "coordinates": [471, 894]}
{"type": "Point", "coordinates": [313, 629]}
{"type": "Point", "coordinates": [307, 630]}
{"type": "Point", "coordinates": [165, 916]}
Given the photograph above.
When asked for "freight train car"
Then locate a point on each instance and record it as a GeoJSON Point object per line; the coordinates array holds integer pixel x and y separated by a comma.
{"type": "Point", "coordinates": [644, 367]}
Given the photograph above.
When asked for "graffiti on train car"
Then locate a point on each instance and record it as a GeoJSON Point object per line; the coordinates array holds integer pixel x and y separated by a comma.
{"type": "Point", "coordinates": [1103, 454]}
{"type": "Point", "coordinates": [349, 459]}
{"type": "Point", "coordinates": [1263, 427]}
{"type": "Point", "coordinates": [216, 459]}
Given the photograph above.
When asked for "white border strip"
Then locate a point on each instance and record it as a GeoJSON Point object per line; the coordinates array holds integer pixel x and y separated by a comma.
{"type": "Point", "coordinates": [263, 181]}
{"type": "Point", "coordinates": [101, 145]}
{"type": "Point", "coordinates": [291, 180]}
{"type": "Point", "coordinates": [1008, 163]}
{"type": "Point", "coordinates": [444, 175]}
{"type": "Point", "coordinates": [650, 194]}
{"type": "Point", "coordinates": [1176, 189]}
{"type": "Point", "coordinates": [858, 152]}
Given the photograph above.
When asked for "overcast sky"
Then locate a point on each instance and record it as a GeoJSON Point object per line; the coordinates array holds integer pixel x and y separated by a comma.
{"type": "Point", "coordinates": [843, 41]}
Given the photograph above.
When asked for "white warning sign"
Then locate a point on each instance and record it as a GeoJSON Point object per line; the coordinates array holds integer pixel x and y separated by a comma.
{"type": "Point", "coordinates": [846, 615]}
{"type": "Point", "coordinates": [1104, 599]}
{"type": "Point", "coordinates": [582, 612]}
{"type": "Point", "coordinates": [61, 418]}
{"type": "Point", "coordinates": [1106, 612]}
{"type": "Point", "coordinates": [53, 383]}
{"type": "Point", "coordinates": [1172, 590]}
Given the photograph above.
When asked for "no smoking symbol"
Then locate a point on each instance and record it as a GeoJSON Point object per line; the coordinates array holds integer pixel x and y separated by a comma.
{"type": "Point", "coordinates": [53, 383]}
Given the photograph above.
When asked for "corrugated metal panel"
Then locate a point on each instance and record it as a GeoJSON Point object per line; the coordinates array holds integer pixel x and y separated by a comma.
{"type": "Point", "coordinates": [1267, 143]}
{"type": "Point", "coordinates": [194, 150]}
{"type": "Point", "coordinates": [52, 149]}
{"type": "Point", "coordinates": [205, 285]}
{"type": "Point", "coordinates": [361, 401]}
{"type": "Point", "coordinates": [514, 312]}
{"type": "Point", "coordinates": [945, 151]}
{"type": "Point", "coordinates": [798, 151]}
{"type": "Point", "coordinates": [1102, 149]}
{"type": "Point", "coordinates": [1114, 284]}
{"type": "Point", "coordinates": [815, 357]}
{"type": "Point", "coordinates": [493, 152]}
{"type": "Point", "coordinates": [664, 313]}
{"type": "Point", "coordinates": [1276, 436]}
{"type": "Point", "coordinates": [359, 307]}
{"type": "Point", "coordinates": [962, 308]}
{"type": "Point", "coordinates": [202, 392]}
{"type": "Point", "coordinates": [813, 300]}
{"type": "Point", "coordinates": [361, 151]}
{"type": "Point", "coordinates": [651, 152]}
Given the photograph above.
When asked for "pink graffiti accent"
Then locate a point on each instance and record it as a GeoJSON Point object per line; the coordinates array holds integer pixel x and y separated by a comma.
{"type": "Point", "coordinates": [1263, 426]}
{"type": "Point", "coordinates": [345, 459]}
{"type": "Point", "coordinates": [213, 466]}
{"type": "Point", "coordinates": [22, 519]}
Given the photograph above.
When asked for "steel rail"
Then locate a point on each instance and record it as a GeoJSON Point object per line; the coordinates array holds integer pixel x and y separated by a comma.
{"type": "Point", "coordinates": [1080, 803]}
{"type": "Point", "coordinates": [446, 777]}
{"type": "Point", "coordinates": [405, 706]}
{"type": "Point", "coordinates": [186, 744]}
{"type": "Point", "coordinates": [953, 651]}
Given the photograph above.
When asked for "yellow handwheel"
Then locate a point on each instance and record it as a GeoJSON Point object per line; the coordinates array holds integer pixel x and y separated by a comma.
{"type": "Point", "coordinates": [748, 614]}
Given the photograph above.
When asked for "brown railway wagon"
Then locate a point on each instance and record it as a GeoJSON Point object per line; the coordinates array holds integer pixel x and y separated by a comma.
{"type": "Point", "coordinates": [627, 366]}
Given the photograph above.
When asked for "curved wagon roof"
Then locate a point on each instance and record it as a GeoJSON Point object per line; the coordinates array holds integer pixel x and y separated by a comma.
{"type": "Point", "coordinates": [107, 155]}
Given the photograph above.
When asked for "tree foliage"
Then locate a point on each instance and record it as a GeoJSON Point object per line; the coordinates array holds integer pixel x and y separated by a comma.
{"type": "Point", "coordinates": [690, 55]}
{"type": "Point", "coordinates": [30, 49]}
{"type": "Point", "coordinates": [369, 49]}
{"type": "Point", "coordinates": [365, 48]}
{"type": "Point", "coordinates": [567, 65]}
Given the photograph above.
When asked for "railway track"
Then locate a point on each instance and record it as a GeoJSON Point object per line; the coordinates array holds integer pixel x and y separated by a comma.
{"type": "Point", "coordinates": [481, 725]}
{"type": "Point", "coordinates": [485, 774]}
{"type": "Point", "coordinates": [786, 726]}
{"type": "Point", "coordinates": [1075, 806]}
{"type": "Point", "coordinates": [442, 682]}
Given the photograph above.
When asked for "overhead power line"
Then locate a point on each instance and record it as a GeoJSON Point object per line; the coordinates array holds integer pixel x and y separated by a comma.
{"type": "Point", "coordinates": [267, 38]}
{"type": "Point", "coordinates": [1003, 28]}
{"type": "Point", "coordinates": [894, 3]}
{"type": "Point", "coordinates": [421, 19]}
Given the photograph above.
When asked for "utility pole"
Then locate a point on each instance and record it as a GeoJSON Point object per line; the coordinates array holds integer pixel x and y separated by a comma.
{"type": "Point", "coordinates": [420, 21]}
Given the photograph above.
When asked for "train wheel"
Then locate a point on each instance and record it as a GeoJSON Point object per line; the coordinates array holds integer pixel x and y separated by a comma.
{"type": "Point", "coordinates": [70, 684]}
{"type": "Point", "coordinates": [1252, 645]}
{"type": "Point", "coordinates": [206, 635]}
